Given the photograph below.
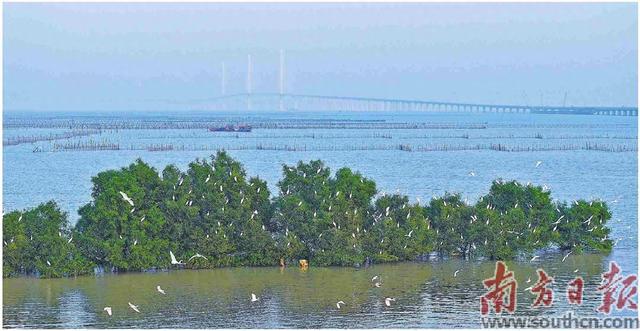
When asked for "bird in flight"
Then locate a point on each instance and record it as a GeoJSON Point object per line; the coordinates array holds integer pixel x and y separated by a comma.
{"type": "Point", "coordinates": [387, 301]}
{"type": "Point", "coordinates": [455, 274]}
{"type": "Point", "coordinates": [108, 310]}
{"type": "Point", "coordinates": [160, 289]}
{"type": "Point", "coordinates": [254, 298]}
{"type": "Point", "coordinates": [538, 163]}
{"type": "Point", "coordinates": [126, 198]}
{"type": "Point", "coordinates": [173, 259]}
{"type": "Point", "coordinates": [198, 255]}
{"type": "Point", "coordinates": [134, 307]}
{"type": "Point", "coordinates": [339, 303]}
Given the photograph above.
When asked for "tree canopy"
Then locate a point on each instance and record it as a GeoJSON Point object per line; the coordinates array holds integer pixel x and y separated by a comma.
{"type": "Point", "coordinates": [214, 214]}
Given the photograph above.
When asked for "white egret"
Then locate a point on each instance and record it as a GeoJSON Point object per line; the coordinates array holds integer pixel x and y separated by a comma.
{"type": "Point", "coordinates": [134, 307]}
{"type": "Point", "coordinates": [160, 289]}
{"type": "Point", "coordinates": [387, 301]}
{"type": "Point", "coordinates": [126, 198]}
{"type": "Point", "coordinates": [339, 303]}
{"type": "Point", "coordinates": [254, 298]}
{"type": "Point", "coordinates": [173, 259]}
{"type": "Point", "coordinates": [108, 310]}
{"type": "Point", "coordinates": [533, 258]}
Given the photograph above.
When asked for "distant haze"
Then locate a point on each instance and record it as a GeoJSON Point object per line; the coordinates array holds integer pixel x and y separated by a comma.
{"type": "Point", "coordinates": [147, 56]}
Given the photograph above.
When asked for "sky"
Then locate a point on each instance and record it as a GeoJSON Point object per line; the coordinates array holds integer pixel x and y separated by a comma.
{"type": "Point", "coordinates": [119, 56]}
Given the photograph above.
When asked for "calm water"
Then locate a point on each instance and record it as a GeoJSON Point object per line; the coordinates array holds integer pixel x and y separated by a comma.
{"type": "Point", "coordinates": [428, 295]}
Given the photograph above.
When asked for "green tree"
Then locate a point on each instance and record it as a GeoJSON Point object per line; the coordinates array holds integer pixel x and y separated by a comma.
{"type": "Point", "coordinates": [38, 242]}
{"type": "Point", "coordinates": [584, 227]}
{"type": "Point", "coordinates": [398, 230]}
{"type": "Point", "coordinates": [113, 233]}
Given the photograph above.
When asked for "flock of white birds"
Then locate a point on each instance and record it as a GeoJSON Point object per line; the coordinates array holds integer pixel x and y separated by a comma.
{"type": "Point", "coordinates": [376, 280]}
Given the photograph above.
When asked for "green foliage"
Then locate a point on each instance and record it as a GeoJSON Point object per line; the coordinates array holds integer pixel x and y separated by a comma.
{"type": "Point", "coordinates": [114, 234]}
{"type": "Point", "coordinates": [214, 215]}
{"type": "Point", "coordinates": [584, 227]}
{"type": "Point", "coordinates": [38, 242]}
{"type": "Point", "coordinates": [450, 217]}
{"type": "Point", "coordinates": [399, 231]}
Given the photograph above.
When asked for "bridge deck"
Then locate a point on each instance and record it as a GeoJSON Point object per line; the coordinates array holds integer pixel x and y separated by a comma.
{"type": "Point", "coordinates": [328, 102]}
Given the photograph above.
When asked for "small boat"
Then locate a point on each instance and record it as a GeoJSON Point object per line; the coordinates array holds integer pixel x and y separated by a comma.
{"type": "Point", "coordinates": [232, 128]}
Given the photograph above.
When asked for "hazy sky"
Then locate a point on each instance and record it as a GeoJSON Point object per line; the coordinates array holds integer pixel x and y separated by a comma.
{"type": "Point", "coordinates": [136, 56]}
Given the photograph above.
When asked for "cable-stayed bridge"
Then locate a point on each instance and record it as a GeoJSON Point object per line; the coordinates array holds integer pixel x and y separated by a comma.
{"type": "Point", "coordinates": [304, 102]}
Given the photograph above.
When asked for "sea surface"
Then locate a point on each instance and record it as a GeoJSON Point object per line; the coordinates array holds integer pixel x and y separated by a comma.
{"type": "Point", "coordinates": [416, 154]}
